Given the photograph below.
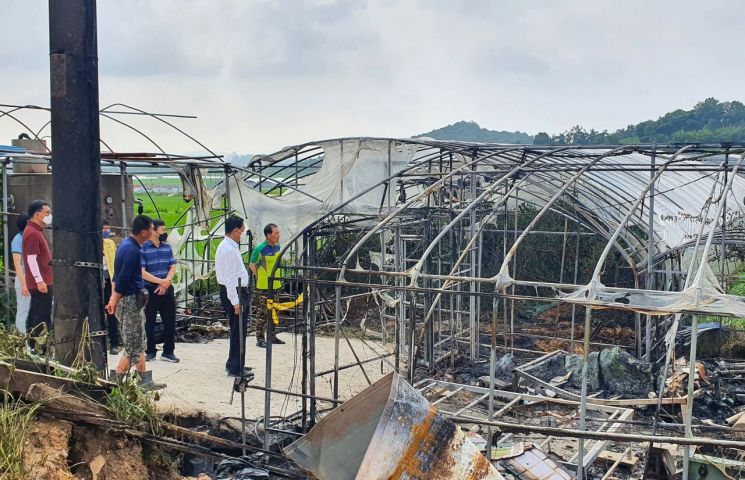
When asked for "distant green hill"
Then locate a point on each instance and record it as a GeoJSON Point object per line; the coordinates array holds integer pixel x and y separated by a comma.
{"type": "Point", "coordinates": [708, 121]}
{"type": "Point", "coordinates": [472, 132]}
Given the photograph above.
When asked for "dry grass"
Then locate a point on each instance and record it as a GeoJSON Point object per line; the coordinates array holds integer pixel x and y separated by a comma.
{"type": "Point", "coordinates": [618, 335]}
{"type": "Point", "coordinates": [734, 347]}
{"type": "Point", "coordinates": [12, 344]}
{"type": "Point", "coordinates": [557, 344]}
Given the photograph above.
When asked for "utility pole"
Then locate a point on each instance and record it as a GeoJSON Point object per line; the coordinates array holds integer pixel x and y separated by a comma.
{"type": "Point", "coordinates": [76, 173]}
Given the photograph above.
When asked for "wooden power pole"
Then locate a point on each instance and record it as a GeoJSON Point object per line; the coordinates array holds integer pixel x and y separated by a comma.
{"type": "Point", "coordinates": [76, 173]}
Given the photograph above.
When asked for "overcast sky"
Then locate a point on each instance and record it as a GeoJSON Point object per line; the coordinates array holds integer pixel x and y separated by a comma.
{"type": "Point", "coordinates": [264, 74]}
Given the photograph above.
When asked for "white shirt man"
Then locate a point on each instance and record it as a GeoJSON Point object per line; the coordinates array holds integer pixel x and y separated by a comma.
{"type": "Point", "coordinates": [229, 269]}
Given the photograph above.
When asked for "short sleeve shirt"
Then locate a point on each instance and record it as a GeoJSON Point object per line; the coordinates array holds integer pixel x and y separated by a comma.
{"type": "Point", "coordinates": [157, 260]}
{"type": "Point", "coordinates": [16, 246]}
{"type": "Point", "coordinates": [127, 269]}
{"type": "Point", "coordinates": [34, 243]}
{"type": "Point", "coordinates": [263, 250]}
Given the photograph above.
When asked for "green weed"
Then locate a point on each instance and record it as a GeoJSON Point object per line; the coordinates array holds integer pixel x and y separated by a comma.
{"type": "Point", "coordinates": [133, 406]}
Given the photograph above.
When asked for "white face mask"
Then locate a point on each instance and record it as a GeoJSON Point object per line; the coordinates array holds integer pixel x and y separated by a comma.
{"type": "Point", "coordinates": [48, 219]}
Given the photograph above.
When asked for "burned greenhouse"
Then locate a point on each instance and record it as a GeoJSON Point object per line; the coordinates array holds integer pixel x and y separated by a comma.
{"type": "Point", "coordinates": [578, 274]}
{"type": "Point", "coordinates": [555, 311]}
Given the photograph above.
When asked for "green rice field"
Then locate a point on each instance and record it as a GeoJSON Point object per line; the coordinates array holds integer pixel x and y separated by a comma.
{"type": "Point", "coordinates": [168, 207]}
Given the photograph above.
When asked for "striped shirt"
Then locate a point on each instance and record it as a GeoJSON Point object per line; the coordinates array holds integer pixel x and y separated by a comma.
{"type": "Point", "coordinates": [156, 260]}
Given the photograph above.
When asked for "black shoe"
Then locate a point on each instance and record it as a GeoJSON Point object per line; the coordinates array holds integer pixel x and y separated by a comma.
{"type": "Point", "coordinates": [245, 369]}
{"type": "Point", "coordinates": [169, 357]}
{"type": "Point", "coordinates": [152, 386]}
{"type": "Point", "coordinates": [146, 381]}
{"type": "Point", "coordinates": [247, 373]}
{"type": "Point", "coordinates": [114, 350]}
{"type": "Point", "coordinates": [149, 357]}
{"type": "Point", "coordinates": [261, 343]}
{"type": "Point", "coordinates": [277, 341]}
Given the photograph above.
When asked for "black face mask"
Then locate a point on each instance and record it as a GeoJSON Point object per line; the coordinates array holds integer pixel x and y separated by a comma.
{"type": "Point", "coordinates": [163, 237]}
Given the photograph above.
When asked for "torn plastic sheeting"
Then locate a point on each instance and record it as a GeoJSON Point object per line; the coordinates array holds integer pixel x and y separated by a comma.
{"type": "Point", "coordinates": [705, 295]}
{"type": "Point", "coordinates": [387, 300]}
{"type": "Point", "coordinates": [349, 167]}
{"type": "Point", "coordinates": [660, 303]}
{"type": "Point", "coordinates": [389, 430]}
{"type": "Point", "coordinates": [241, 468]}
{"type": "Point", "coordinates": [677, 194]}
{"type": "Point", "coordinates": [708, 467]}
{"type": "Point", "coordinates": [205, 199]}
{"type": "Point", "coordinates": [376, 259]}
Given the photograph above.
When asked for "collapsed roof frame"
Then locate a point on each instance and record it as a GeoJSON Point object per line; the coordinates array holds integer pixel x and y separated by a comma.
{"type": "Point", "coordinates": [451, 183]}
{"type": "Point", "coordinates": [190, 168]}
{"type": "Point", "coordinates": [568, 172]}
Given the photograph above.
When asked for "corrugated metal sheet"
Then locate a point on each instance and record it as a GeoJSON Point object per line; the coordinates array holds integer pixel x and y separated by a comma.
{"type": "Point", "coordinates": [389, 431]}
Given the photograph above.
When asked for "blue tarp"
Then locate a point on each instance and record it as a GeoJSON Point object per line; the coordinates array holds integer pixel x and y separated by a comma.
{"type": "Point", "coordinates": [9, 150]}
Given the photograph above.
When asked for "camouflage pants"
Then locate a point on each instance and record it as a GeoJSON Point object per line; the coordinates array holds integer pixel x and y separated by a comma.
{"type": "Point", "coordinates": [261, 314]}
{"type": "Point", "coordinates": [132, 324]}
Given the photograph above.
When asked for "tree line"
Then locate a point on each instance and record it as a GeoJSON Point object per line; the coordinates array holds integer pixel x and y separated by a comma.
{"type": "Point", "coordinates": [708, 121]}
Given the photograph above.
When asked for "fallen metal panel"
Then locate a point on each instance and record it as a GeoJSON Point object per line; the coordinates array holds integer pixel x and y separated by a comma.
{"type": "Point", "coordinates": [335, 447]}
{"type": "Point", "coordinates": [533, 464]}
{"type": "Point", "coordinates": [505, 395]}
{"type": "Point", "coordinates": [408, 439]}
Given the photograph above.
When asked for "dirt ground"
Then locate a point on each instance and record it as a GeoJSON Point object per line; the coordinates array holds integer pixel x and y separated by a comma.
{"type": "Point", "coordinates": [46, 453]}
{"type": "Point", "coordinates": [199, 381]}
{"type": "Point", "coordinates": [58, 450]}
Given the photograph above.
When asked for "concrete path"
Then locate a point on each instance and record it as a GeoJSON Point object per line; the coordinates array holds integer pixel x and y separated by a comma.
{"type": "Point", "coordinates": [199, 381]}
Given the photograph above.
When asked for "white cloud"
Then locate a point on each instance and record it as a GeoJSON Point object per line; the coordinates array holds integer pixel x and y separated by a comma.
{"type": "Point", "coordinates": [264, 74]}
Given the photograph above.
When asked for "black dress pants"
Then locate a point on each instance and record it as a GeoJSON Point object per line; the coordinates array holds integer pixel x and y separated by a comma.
{"type": "Point", "coordinates": [166, 306]}
{"type": "Point", "coordinates": [236, 361]}
{"type": "Point", "coordinates": [40, 313]}
{"type": "Point", "coordinates": [115, 338]}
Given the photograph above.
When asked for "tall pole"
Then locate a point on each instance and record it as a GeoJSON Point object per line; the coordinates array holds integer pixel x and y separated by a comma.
{"type": "Point", "coordinates": [472, 313]}
{"type": "Point", "coordinates": [583, 393]}
{"type": "Point", "coordinates": [76, 172]}
{"type": "Point", "coordinates": [6, 246]}
{"type": "Point", "coordinates": [650, 264]}
{"type": "Point", "coordinates": [313, 301]}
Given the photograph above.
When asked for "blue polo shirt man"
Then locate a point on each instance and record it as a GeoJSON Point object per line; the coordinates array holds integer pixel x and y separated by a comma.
{"type": "Point", "coordinates": [158, 268]}
{"type": "Point", "coordinates": [124, 296]}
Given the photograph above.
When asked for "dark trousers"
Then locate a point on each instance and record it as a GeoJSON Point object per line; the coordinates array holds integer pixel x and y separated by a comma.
{"type": "Point", "coordinates": [236, 361]}
{"type": "Point", "coordinates": [40, 313]}
{"type": "Point", "coordinates": [115, 338]}
{"type": "Point", "coordinates": [166, 306]}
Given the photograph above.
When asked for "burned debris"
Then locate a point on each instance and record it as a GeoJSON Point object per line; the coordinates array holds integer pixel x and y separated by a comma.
{"type": "Point", "coordinates": [552, 312]}
{"type": "Point", "coordinates": [546, 299]}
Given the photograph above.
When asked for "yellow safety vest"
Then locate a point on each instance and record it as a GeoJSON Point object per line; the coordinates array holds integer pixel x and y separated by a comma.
{"type": "Point", "coordinates": [264, 269]}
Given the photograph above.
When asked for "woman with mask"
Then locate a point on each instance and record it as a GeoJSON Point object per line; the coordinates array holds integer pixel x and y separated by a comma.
{"type": "Point", "coordinates": [23, 296]}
